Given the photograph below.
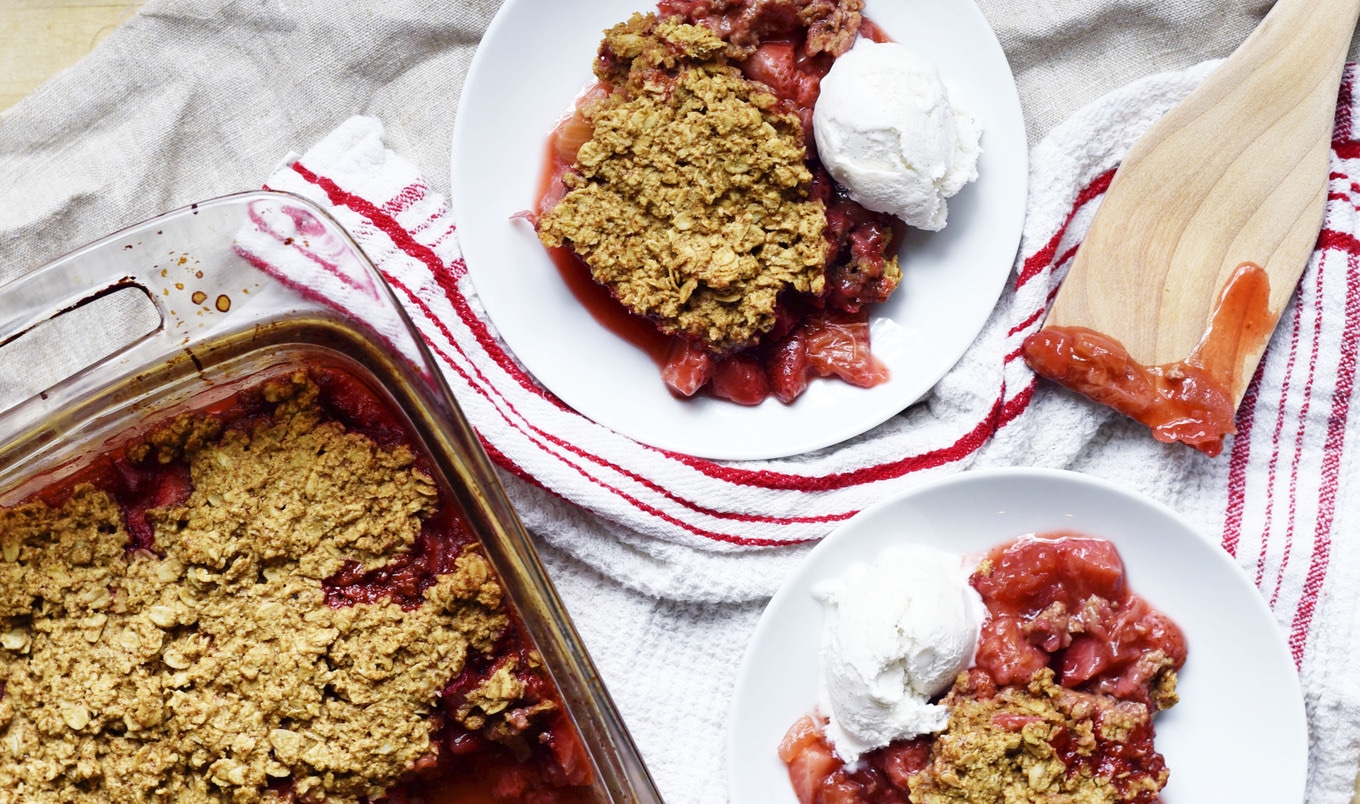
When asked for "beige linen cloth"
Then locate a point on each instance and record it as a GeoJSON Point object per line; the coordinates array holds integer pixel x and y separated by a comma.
{"type": "Point", "coordinates": [196, 98]}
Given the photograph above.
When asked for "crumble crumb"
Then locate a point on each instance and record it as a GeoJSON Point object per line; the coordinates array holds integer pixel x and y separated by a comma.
{"type": "Point", "coordinates": [690, 199]}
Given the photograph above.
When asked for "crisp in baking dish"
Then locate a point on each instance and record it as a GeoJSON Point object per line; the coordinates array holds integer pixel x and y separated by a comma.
{"type": "Point", "coordinates": [257, 553]}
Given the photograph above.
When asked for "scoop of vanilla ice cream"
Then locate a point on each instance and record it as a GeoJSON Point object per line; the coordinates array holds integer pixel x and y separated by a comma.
{"type": "Point", "coordinates": [897, 633]}
{"type": "Point", "coordinates": [890, 131]}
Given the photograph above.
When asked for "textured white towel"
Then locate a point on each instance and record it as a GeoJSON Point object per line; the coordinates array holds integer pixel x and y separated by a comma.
{"type": "Point", "coordinates": [694, 530]}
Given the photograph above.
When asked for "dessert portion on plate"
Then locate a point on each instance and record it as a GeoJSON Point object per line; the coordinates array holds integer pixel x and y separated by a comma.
{"type": "Point", "coordinates": [738, 178]}
{"type": "Point", "coordinates": [267, 600]}
{"type": "Point", "coordinates": [1032, 675]}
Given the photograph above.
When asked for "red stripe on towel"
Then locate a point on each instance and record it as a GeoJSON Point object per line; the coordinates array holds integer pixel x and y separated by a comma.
{"type": "Point", "coordinates": [1318, 301]}
{"type": "Point", "coordinates": [1281, 408]}
{"type": "Point", "coordinates": [1331, 466]}
{"type": "Point", "coordinates": [1241, 457]}
{"type": "Point", "coordinates": [1044, 257]}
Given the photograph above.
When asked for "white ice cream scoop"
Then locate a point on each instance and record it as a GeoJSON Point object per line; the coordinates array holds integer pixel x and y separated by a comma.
{"type": "Point", "coordinates": [897, 633]}
{"type": "Point", "coordinates": [893, 134]}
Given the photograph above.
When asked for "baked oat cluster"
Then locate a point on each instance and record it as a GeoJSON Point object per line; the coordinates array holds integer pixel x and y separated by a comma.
{"type": "Point", "coordinates": [213, 669]}
{"type": "Point", "coordinates": [690, 201]}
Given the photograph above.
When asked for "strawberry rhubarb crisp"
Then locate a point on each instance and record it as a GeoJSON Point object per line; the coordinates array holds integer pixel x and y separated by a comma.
{"type": "Point", "coordinates": [271, 602]}
{"type": "Point", "coordinates": [1054, 704]}
{"type": "Point", "coordinates": [687, 181]}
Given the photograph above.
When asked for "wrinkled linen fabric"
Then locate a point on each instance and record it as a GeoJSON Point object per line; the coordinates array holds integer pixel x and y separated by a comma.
{"type": "Point", "coordinates": [190, 100]}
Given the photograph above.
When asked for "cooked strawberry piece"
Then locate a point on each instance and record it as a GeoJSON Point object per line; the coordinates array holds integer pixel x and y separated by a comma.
{"type": "Point", "coordinates": [570, 764]}
{"type": "Point", "coordinates": [741, 378]}
{"type": "Point", "coordinates": [1005, 654]}
{"type": "Point", "coordinates": [689, 9]}
{"type": "Point", "coordinates": [356, 406]}
{"type": "Point", "coordinates": [839, 344]}
{"type": "Point", "coordinates": [551, 195]}
{"type": "Point", "coordinates": [820, 777]}
{"type": "Point", "coordinates": [1143, 643]}
{"type": "Point", "coordinates": [788, 367]}
{"type": "Point", "coordinates": [173, 487]}
{"type": "Point", "coordinates": [902, 760]}
{"type": "Point", "coordinates": [1030, 575]}
{"type": "Point", "coordinates": [1011, 721]}
{"type": "Point", "coordinates": [793, 78]}
{"type": "Point", "coordinates": [510, 784]}
{"type": "Point", "coordinates": [859, 267]}
{"type": "Point", "coordinates": [870, 30]}
{"type": "Point", "coordinates": [809, 758]}
{"type": "Point", "coordinates": [777, 66]}
{"type": "Point", "coordinates": [803, 733]}
{"type": "Point", "coordinates": [1085, 659]}
{"type": "Point", "coordinates": [575, 130]}
{"type": "Point", "coordinates": [689, 367]}
{"type": "Point", "coordinates": [869, 237]}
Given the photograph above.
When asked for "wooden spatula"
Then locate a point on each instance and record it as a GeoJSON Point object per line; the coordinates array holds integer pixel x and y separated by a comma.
{"type": "Point", "coordinates": [1216, 208]}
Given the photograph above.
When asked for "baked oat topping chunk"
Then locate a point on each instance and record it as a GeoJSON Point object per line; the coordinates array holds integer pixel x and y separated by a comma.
{"type": "Point", "coordinates": [1040, 743]}
{"type": "Point", "coordinates": [217, 670]}
{"type": "Point", "coordinates": [690, 199]}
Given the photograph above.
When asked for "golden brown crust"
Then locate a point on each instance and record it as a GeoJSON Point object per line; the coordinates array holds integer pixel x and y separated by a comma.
{"type": "Point", "coordinates": [690, 199]}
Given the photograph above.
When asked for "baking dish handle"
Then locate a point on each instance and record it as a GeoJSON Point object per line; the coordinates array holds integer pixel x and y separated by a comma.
{"type": "Point", "coordinates": [37, 298]}
{"type": "Point", "coordinates": [222, 265]}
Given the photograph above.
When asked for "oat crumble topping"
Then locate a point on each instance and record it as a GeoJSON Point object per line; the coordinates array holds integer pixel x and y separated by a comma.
{"type": "Point", "coordinates": [1001, 749]}
{"type": "Point", "coordinates": [690, 199]}
{"type": "Point", "coordinates": [217, 671]}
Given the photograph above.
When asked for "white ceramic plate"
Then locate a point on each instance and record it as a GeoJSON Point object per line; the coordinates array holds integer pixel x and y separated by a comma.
{"type": "Point", "coordinates": [1241, 705]}
{"type": "Point", "coordinates": [535, 58]}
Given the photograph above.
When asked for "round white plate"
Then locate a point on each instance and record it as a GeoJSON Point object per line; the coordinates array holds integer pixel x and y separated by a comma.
{"type": "Point", "coordinates": [536, 57]}
{"type": "Point", "coordinates": [1240, 707]}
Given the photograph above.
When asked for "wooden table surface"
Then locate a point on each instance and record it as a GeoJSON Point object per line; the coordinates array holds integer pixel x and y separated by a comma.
{"type": "Point", "coordinates": [39, 38]}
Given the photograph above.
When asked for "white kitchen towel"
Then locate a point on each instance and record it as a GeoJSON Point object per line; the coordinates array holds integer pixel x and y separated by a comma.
{"type": "Point", "coordinates": [1279, 499]}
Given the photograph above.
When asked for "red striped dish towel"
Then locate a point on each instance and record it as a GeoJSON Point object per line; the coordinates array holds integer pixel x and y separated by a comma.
{"type": "Point", "coordinates": [1281, 498]}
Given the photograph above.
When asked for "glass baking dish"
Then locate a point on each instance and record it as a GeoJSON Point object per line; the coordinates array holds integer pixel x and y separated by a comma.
{"type": "Point", "coordinates": [241, 288]}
